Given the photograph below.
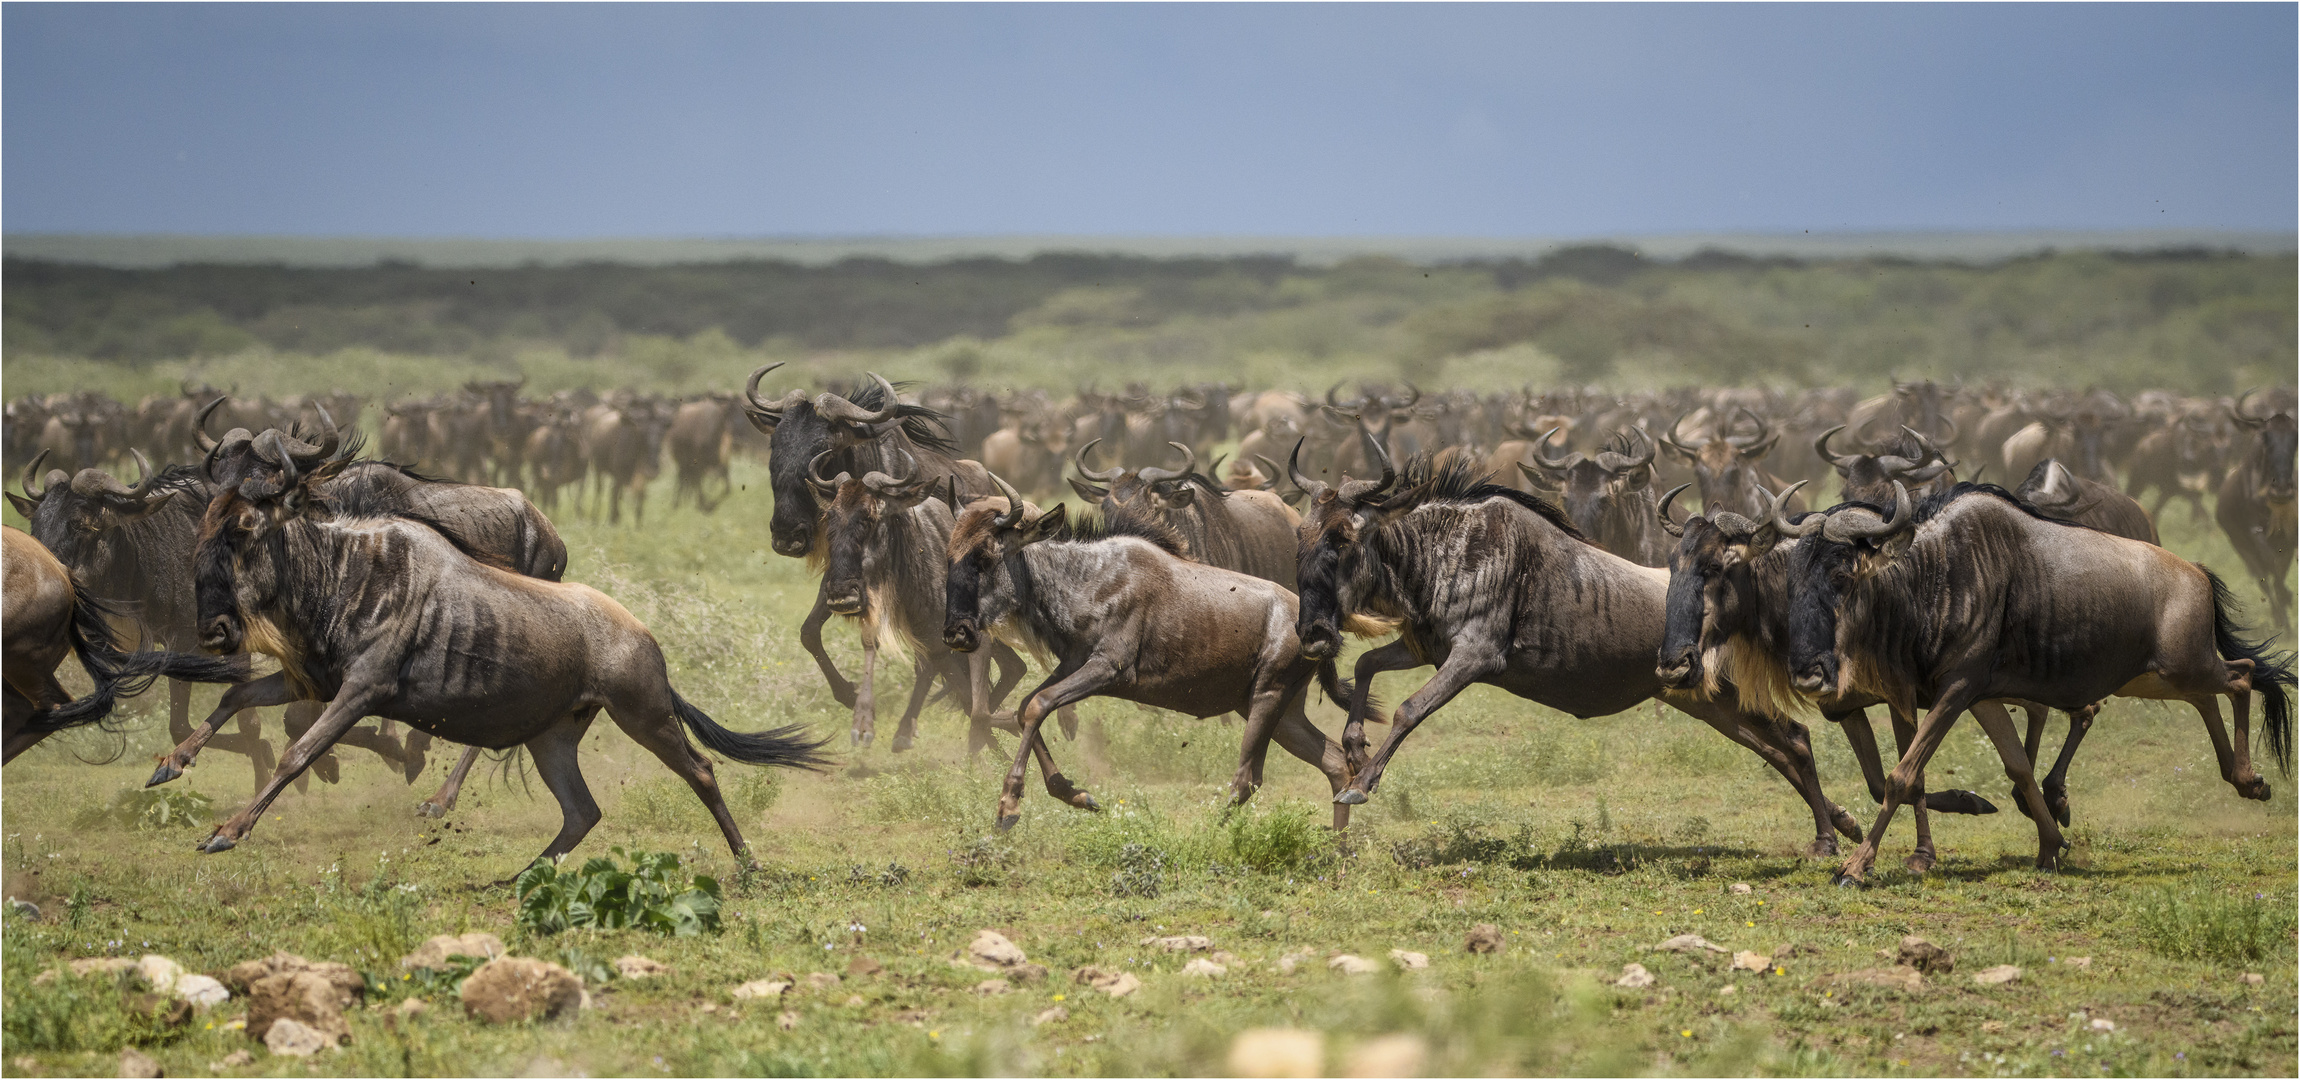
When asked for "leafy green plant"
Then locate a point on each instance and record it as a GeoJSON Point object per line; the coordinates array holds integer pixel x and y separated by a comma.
{"type": "Point", "coordinates": [2201, 923]}
{"type": "Point", "coordinates": [602, 895]}
{"type": "Point", "coordinates": [983, 861]}
{"type": "Point", "coordinates": [1278, 840]}
{"type": "Point", "coordinates": [1139, 872]}
{"type": "Point", "coordinates": [151, 809]}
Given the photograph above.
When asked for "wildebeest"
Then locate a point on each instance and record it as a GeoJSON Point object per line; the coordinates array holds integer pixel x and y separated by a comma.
{"type": "Point", "coordinates": [624, 441]}
{"type": "Point", "coordinates": [383, 616]}
{"type": "Point", "coordinates": [2256, 506]}
{"type": "Point", "coordinates": [2181, 457]}
{"type": "Point", "coordinates": [1726, 466]}
{"type": "Point", "coordinates": [1248, 531]}
{"type": "Point", "coordinates": [1124, 615]}
{"type": "Point", "coordinates": [1910, 458]}
{"type": "Point", "coordinates": [2058, 492]}
{"type": "Point", "coordinates": [864, 430]}
{"type": "Point", "coordinates": [702, 443]}
{"type": "Point", "coordinates": [2077, 434]}
{"type": "Point", "coordinates": [1608, 495]}
{"type": "Point", "coordinates": [1971, 596]}
{"type": "Point", "coordinates": [887, 540]}
{"type": "Point", "coordinates": [1495, 586]}
{"type": "Point", "coordinates": [48, 615]}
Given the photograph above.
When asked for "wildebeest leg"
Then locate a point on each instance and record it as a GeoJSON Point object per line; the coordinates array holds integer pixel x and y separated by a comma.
{"type": "Point", "coordinates": [350, 705]}
{"type": "Point", "coordinates": [2056, 782]}
{"type": "Point", "coordinates": [555, 752]}
{"type": "Point", "coordinates": [1904, 784]}
{"type": "Point", "coordinates": [1394, 656]}
{"type": "Point", "coordinates": [1922, 859]}
{"type": "Point", "coordinates": [439, 804]}
{"type": "Point", "coordinates": [298, 718]}
{"type": "Point", "coordinates": [1011, 669]}
{"type": "Point", "coordinates": [248, 741]}
{"type": "Point", "coordinates": [2235, 760]}
{"type": "Point", "coordinates": [1062, 688]}
{"type": "Point", "coordinates": [921, 682]}
{"type": "Point", "coordinates": [1863, 739]}
{"type": "Point", "coordinates": [1790, 756]}
{"type": "Point", "coordinates": [1265, 709]}
{"type": "Point", "coordinates": [811, 638]}
{"type": "Point", "coordinates": [1994, 720]}
{"type": "Point", "coordinates": [1471, 660]}
{"type": "Point", "coordinates": [865, 726]}
{"type": "Point", "coordinates": [272, 689]}
{"type": "Point", "coordinates": [647, 717]}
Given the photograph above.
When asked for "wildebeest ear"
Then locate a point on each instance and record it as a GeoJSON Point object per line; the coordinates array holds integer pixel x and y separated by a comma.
{"type": "Point", "coordinates": [23, 505]}
{"type": "Point", "coordinates": [1175, 495]}
{"type": "Point", "coordinates": [1045, 525]}
{"type": "Point", "coordinates": [1636, 479]}
{"type": "Point", "coordinates": [1088, 492]}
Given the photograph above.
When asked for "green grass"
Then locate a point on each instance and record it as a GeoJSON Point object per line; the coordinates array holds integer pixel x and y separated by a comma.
{"type": "Point", "coordinates": [1585, 841]}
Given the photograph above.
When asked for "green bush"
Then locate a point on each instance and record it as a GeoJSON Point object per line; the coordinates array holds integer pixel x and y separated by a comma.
{"type": "Point", "coordinates": [2198, 923]}
{"type": "Point", "coordinates": [602, 895]}
{"type": "Point", "coordinates": [1279, 840]}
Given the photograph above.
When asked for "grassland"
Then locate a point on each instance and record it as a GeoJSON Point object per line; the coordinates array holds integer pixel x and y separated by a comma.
{"type": "Point", "coordinates": [1584, 841]}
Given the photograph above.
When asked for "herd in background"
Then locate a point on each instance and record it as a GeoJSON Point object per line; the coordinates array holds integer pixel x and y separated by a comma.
{"type": "Point", "coordinates": [1530, 541]}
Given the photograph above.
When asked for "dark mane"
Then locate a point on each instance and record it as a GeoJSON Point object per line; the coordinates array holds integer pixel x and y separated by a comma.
{"type": "Point", "coordinates": [1460, 479]}
{"type": "Point", "coordinates": [1933, 504]}
{"type": "Point", "coordinates": [926, 428]}
{"type": "Point", "coordinates": [1086, 528]}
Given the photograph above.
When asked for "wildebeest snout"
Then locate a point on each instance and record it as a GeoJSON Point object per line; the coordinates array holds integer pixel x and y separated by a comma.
{"type": "Point", "coordinates": [843, 601]}
{"type": "Point", "coordinates": [220, 634]}
{"type": "Point", "coordinates": [1680, 671]}
{"type": "Point", "coordinates": [961, 636]}
{"type": "Point", "coordinates": [793, 545]}
{"type": "Point", "coordinates": [1815, 677]}
{"type": "Point", "coordinates": [1320, 641]}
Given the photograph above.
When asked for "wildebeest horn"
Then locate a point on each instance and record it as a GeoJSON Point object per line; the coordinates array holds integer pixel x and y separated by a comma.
{"type": "Point", "coordinates": [1862, 523]}
{"type": "Point", "coordinates": [1409, 402]}
{"type": "Point", "coordinates": [207, 443]}
{"type": "Point", "coordinates": [1661, 510]}
{"type": "Point", "coordinates": [826, 485]}
{"type": "Point", "coordinates": [1294, 472]}
{"type": "Point", "coordinates": [884, 483]}
{"type": "Point", "coordinates": [1331, 401]}
{"type": "Point", "coordinates": [2238, 411]}
{"type": "Point", "coordinates": [95, 482]}
{"type": "Point", "coordinates": [773, 412]}
{"type": "Point", "coordinates": [1821, 447]}
{"type": "Point", "coordinates": [1103, 477]}
{"type": "Point", "coordinates": [1624, 464]}
{"type": "Point", "coordinates": [1365, 489]}
{"type": "Point", "coordinates": [1541, 453]}
{"type": "Point", "coordinates": [1762, 440]}
{"type": "Point", "coordinates": [1189, 463]}
{"type": "Point", "coordinates": [1781, 523]}
{"type": "Point", "coordinates": [1675, 440]}
{"type": "Point", "coordinates": [1013, 503]}
{"type": "Point", "coordinates": [310, 452]}
{"type": "Point", "coordinates": [838, 408]}
{"type": "Point", "coordinates": [269, 446]}
{"type": "Point", "coordinates": [31, 471]}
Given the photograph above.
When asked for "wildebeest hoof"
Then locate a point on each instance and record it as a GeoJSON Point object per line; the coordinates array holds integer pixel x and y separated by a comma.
{"type": "Point", "coordinates": [1918, 863]}
{"type": "Point", "coordinates": [2257, 789]}
{"type": "Point", "coordinates": [1006, 821]}
{"type": "Point", "coordinates": [859, 738]}
{"type": "Point", "coordinates": [430, 809]}
{"type": "Point", "coordinates": [166, 772]}
{"type": "Point", "coordinates": [1085, 801]}
{"type": "Point", "coordinates": [1845, 881]}
{"type": "Point", "coordinates": [1963, 802]}
{"type": "Point", "coordinates": [1351, 797]}
{"type": "Point", "coordinates": [216, 843]}
{"type": "Point", "coordinates": [1822, 848]}
{"type": "Point", "coordinates": [901, 743]}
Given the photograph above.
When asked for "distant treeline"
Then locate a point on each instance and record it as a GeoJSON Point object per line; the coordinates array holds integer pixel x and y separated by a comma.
{"type": "Point", "coordinates": [1586, 315]}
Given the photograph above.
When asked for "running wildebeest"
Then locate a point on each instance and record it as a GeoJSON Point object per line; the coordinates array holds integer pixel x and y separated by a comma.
{"type": "Point", "coordinates": [1251, 532]}
{"type": "Point", "coordinates": [2256, 507]}
{"type": "Point", "coordinates": [48, 615]}
{"type": "Point", "coordinates": [1124, 615]}
{"type": "Point", "coordinates": [384, 616]}
{"type": "Point", "coordinates": [1726, 465]}
{"type": "Point", "coordinates": [1495, 586]}
{"type": "Point", "coordinates": [1972, 597]}
{"type": "Point", "coordinates": [864, 430]}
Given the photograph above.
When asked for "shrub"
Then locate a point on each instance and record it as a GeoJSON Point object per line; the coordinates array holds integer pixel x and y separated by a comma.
{"type": "Point", "coordinates": [2200, 923]}
{"type": "Point", "coordinates": [1279, 840]}
{"type": "Point", "coordinates": [602, 895]}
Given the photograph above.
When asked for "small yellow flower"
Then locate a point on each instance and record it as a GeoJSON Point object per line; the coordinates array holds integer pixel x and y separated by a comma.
{"type": "Point", "coordinates": [1688, 1033]}
{"type": "Point", "coordinates": [1748, 922]}
{"type": "Point", "coordinates": [1696, 911]}
{"type": "Point", "coordinates": [934, 1034]}
{"type": "Point", "coordinates": [1058, 997]}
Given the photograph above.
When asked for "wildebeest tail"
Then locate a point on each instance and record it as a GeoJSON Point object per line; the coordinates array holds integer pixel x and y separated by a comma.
{"type": "Point", "coordinates": [786, 746]}
{"type": "Point", "coordinates": [1341, 690]}
{"type": "Point", "coordinates": [2272, 676]}
{"type": "Point", "coordinates": [119, 674]}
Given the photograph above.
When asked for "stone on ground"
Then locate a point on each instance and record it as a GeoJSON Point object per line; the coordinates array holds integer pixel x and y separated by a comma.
{"type": "Point", "coordinates": [1924, 956]}
{"type": "Point", "coordinates": [1179, 943]}
{"type": "Point", "coordinates": [1113, 983]}
{"type": "Point", "coordinates": [761, 988]}
{"type": "Point", "coordinates": [1485, 937]}
{"type": "Point", "coordinates": [1351, 965]}
{"type": "Point", "coordinates": [1634, 977]}
{"type": "Point", "coordinates": [286, 1036]}
{"type": "Point", "coordinates": [1201, 967]}
{"type": "Point", "coordinates": [1685, 943]}
{"type": "Point", "coordinates": [1998, 975]}
{"type": "Point", "coordinates": [636, 966]}
{"type": "Point", "coordinates": [992, 987]}
{"type": "Point", "coordinates": [1408, 960]}
{"type": "Point", "coordinates": [1889, 978]}
{"type": "Point", "coordinates": [1750, 961]}
{"type": "Point", "coordinates": [1741, 888]}
{"type": "Point", "coordinates": [1390, 1055]}
{"type": "Point", "coordinates": [433, 953]}
{"type": "Point", "coordinates": [1054, 1015]}
{"type": "Point", "coordinates": [991, 951]}
{"type": "Point", "coordinates": [513, 988]}
{"type": "Point", "coordinates": [136, 1063]}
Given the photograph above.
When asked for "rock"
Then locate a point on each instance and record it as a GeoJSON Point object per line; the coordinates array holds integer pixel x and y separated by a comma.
{"type": "Point", "coordinates": [863, 967]}
{"type": "Point", "coordinates": [992, 987]}
{"type": "Point", "coordinates": [707, 1007]}
{"type": "Point", "coordinates": [1485, 937]}
{"type": "Point", "coordinates": [286, 1036]}
{"type": "Point", "coordinates": [788, 1019]}
{"type": "Point", "coordinates": [1685, 943]}
{"type": "Point", "coordinates": [761, 988]}
{"type": "Point", "coordinates": [990, 951]}
{"type": "Point", "coordinates": [636, 966]}
{"type": "Point", "coordinates": [136, 1063]}
{"type": "Point", "coordinates": [159, 973]}
{"type": "Point", "coordinates": [1390, 1055]}
{"type": "Point", "coordinates": [412, 1008]}
{"type": "Point", "coordinates": [1749, 961]}
{"type": "Point", "coordinates": [821, 980]}
{"type": "Point", "coordinates": [243, 977]}
{"type": "Point", "coordinates": [432, 954]}
{"type": "Point", "coordinates": [101, 965]}
{"type": "Point", "coordinates": [1728, 991]}
{"type": "Point", "coordinates": [1992, 1026]}
{"type": "Point", "coordinates": [1998, 975]}
{"type": "Point", "coordinates": [2102, 1023]}
{"type": "Point", "coordinates": [202, 991]}
{"type": "Point", "coordinates": [1741, 888]}
{"type": "Point", "coordinates": [1924, 956]}
{"type": "Point", "coordinates": [1222, 958]}
{"type": "Point", "coordinates": [24, 909]}
{"type": "Point", "coordinates": [1634, 977]}
{"type": "Point", "coordinates": [853, 1001]}
{"type": "Point", "coordinates": [1054, 1015]}
{"type": "Point", "coordinates": [1350, 965]}
{"type": "Point", "coordinates": [1292, 960]}
{"type": "Point", "coordinates": [2251, 978]}
{"type": "Point", "coordinates": [1407, 960]}
{"type": "Point", "coordinates": [1890, 978]}
{"type": "Point", "coordinates": [1179, 943]}
{"type": "Point", "coordinates": [1203, 968]}
{"type": "Point", "coordinates": [2081, 963]}
{"type": "Point", "coordinates": [913, 1017]}
{"type": "Point", "coordinates": [1274, 1052]}
{"type": "Point", "coordinates": [511, 988]}
{"type": "Point", "coordinates": [1113, 983]}
{"type": "Point", "coordinates": [236, 1059]}
{"type": "Point", "coordinates": [314, 996]}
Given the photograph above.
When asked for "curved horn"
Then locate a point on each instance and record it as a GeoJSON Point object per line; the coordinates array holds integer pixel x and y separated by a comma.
{"type": "Point", "coordinates": [1821, 447]}
{"type": "Point", "coordinates": [207, 442]}
{"type": "Point", "coordinates": [1844, 526]}
{"type": "Point", "coordinates": [886, 483]}
{"type": "Point", "coordinates": [1332, 401]}
{"type": "Point", "coordinates": [1103, 477]}
{"type": "Point", "coordinates": [1764, 436]}
{"type": "Point", "coordinates": [1013, 503]}
{"type": "Point", "coordinates": [98, 482]}
{"type": "Point", "coordinates": [1674, 439]}
{"type": "Point", "coordinates": [1294, 472]}
{"type": "Point", "coordinates": [270, 447]}
{"type": "Point", "coordinates": [1951, 421]}
{"type": "Point", "coordinates": [1189, 463]}
{"type": "Point", "coordinates": [1366, 489]}
{"type": "Point", "coordinates": [1415, 397]}
{"type": "Point", "coordinates": [1637, 435]}
{"type": "Point", "coordinates": [1780, 517]}
{"type": "Point", "coordinates": [1661, 509]}
{"type": "Point", "coordinates": [1541, 453]}
{"type": "Point", "coordinates": [2238, 411]}
{"type": "Point", "coordinates": [751, 390]}
{"type": "Point", "coordinates": [824, 484]}
{"type": "Point", "coordinates": [31, 471]}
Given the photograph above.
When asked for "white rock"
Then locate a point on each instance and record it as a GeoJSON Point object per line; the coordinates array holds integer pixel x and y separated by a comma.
{"type": "Point", "coordinates": [159, 973]}
{"type": "Point", "coordinates": [1409, 961]}
{"type": "Point", "coordinates": [636, 966]}
{"type": "Point", "coordinates": [1179, 943]}
{"type": "Point", "coordinates": [1741, 888]}
{"type": "Point", "coordinates": [1634, 977]}
{"type": "Point", "coordinates": [2102, 1023]}
{"type": "Point", "coordinates": [1204, 968]}
{"type": "Point", "coordinates": [761, 988]}
{"type": "Point", "coordinates": [1998, 975]}
{"type": "Point", "coordinates": [1390, 1055]}
{"type": "Point", "coordinates": [1689, 943]}
{"type": "Point", "coordinates": [1351, 965]}
{"type": "Point", "coordinates": [203, 992]}
{"type": "Point", "coordinates": [1750, 961]}
{"type": "Point", "coordinates": [1269, 1052]}
{"type": "Point", "coordinates": [294, 1039]}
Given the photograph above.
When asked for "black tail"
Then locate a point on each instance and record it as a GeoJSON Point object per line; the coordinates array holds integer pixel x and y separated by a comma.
{"type": "Point", "coordinates": [786, 746]}
{"type": "Point", "coordinates": [2272, 676]}
{"type": "Point", "coordinates": [1341, 690]}
{"type": "Point", "coordinates": [120, 674]}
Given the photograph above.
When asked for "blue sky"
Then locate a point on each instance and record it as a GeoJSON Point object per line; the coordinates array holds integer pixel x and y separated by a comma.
{"type": "Point", "coordinates": [550, 121]}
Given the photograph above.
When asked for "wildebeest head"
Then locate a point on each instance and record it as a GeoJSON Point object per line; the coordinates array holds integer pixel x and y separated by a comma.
{"type": "Point", "coordinates": [1591, 486]}
{"type": "Point", "coordinates": [1334, 569]}
{"type": "Point", "coordinates": [800, 429]}
{"type": "Point", "coordinates": [260, 468]}
{"type": "Point", "coordinates": [80, 518]}
{"type": "Point", "coordinates": [1850, 541]}
{"type": "Point", "coordinates": [281, 484]}
{"type": "Point", "coordinates": [1147, 490]}
{"type": "Point", "coordinates": [987, 572]}
{"type": "Point", "coordinates": [852, 526]}
{"type": "Point", "coordinates": [1712, 595]}
{"type": "Point", "coordinates": [2272, 453]}
{"type": "Point", "coordinates": [1911, 459]}
{"type": "Point", "coordinates": [1726, 465]}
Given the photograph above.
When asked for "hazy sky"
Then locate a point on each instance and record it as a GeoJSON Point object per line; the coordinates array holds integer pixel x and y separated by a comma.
{"type": "Point", "coordinates": [1489, 120]}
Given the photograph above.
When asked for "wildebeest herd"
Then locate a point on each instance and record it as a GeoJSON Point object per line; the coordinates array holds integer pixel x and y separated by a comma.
{"type": "Point", "coordinates": [1988, 547]}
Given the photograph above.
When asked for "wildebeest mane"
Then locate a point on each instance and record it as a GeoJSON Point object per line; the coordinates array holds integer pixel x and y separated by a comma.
{"type": "Point", "coordinates": [1109, 524]}
{"type": "Point", "coordinates": [924, 427]}
{"type": "Point", "coordinates": [1457, 478]}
